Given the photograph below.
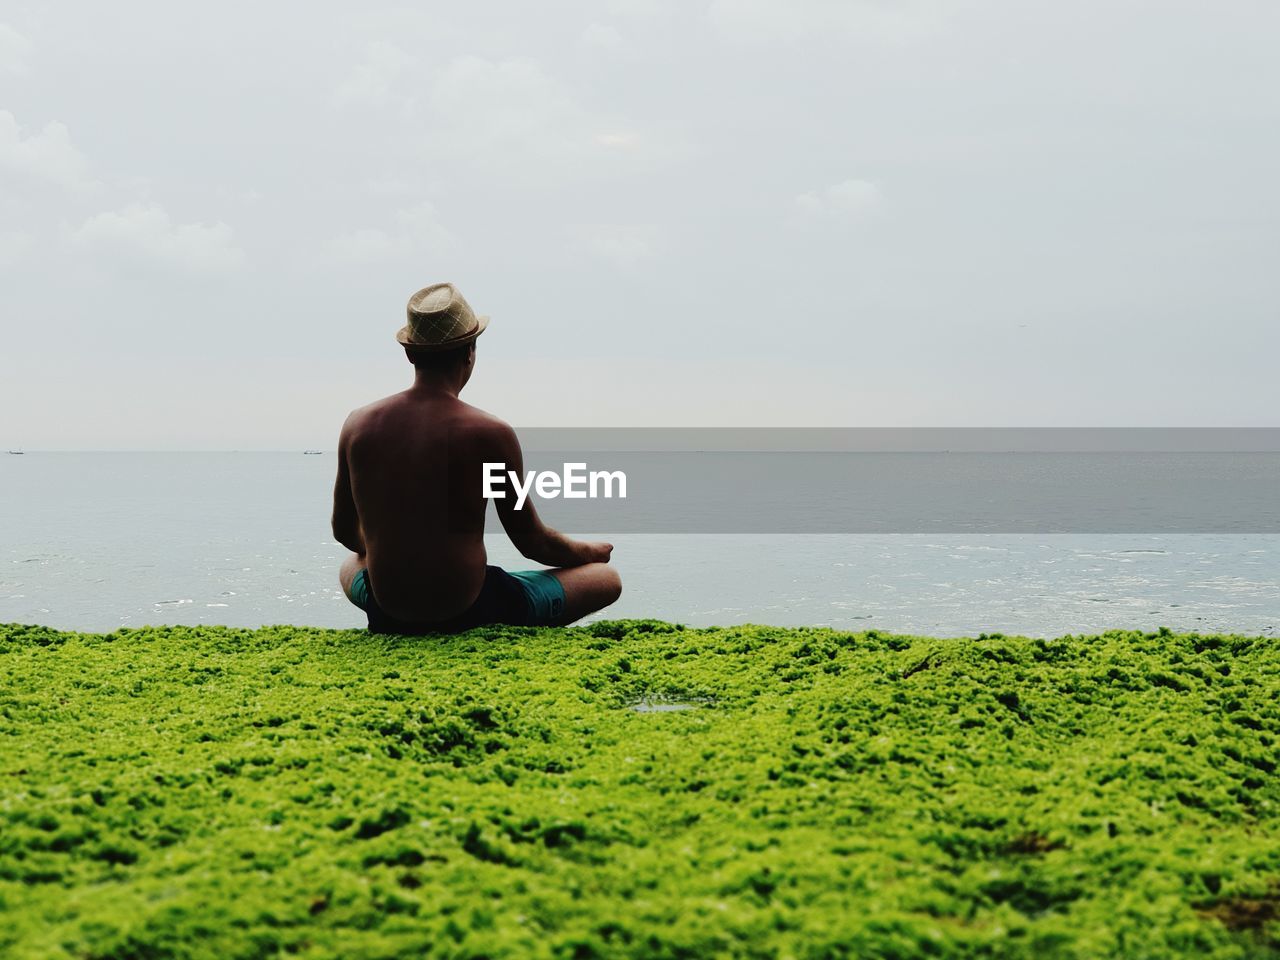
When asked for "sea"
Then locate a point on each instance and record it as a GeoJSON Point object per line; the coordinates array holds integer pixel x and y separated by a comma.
{"type": "Point", "coordinates": [97, 541]}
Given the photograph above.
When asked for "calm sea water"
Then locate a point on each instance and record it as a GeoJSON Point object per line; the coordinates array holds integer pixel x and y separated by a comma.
{"type": "Point", "coordinates": [93, 541]}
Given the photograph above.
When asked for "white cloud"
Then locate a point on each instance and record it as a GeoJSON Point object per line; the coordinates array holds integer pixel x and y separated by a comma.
{"type": "Point", "coordinates": [418, 230]}
{"type": "Point", "coordinates": [619, 141]}
{"type": "Point", "coordinates": [639, 8]}
{"type": "Point", "coordinates": [365, 245]}
{"type": "Point", "coordinates": [495, 104]}
{"type": "Point", "coordinates": [508, 117]}
{"type": "Point", "coordinates": [623, 245]}
{"type": "Point", "coordinates": [514, 119]}
{"type": "Point", "coordinates": [147, 231]}
{"type": "Point", "coordinates": [14, 50]}
{"type": "Point", "coordinates": [506, 112]}
{"type": "Point", "coordinates": [47, 155]}
{"type": "Point", "coordinates": [422, 222]}
{"type": "Point", "coordinates": [373, 82]}
{"type": "Point", "coordinates": [848, 198]}
{"type": "Point", "coordinates": [601, 36]}
{"type": "Point", "coordinates": [390, 186]}
{"type": "Point", "coordinates": [13, 245]}
{"type": "Point", "coordinates": [876, 21]}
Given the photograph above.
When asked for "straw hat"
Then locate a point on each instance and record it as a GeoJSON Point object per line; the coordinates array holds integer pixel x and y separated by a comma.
{"type": "Point", "coordinates": [440, 319]}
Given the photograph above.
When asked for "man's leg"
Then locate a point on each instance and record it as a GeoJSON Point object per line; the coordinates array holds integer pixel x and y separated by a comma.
{"type": "Point", "coordinates": [588, 588]}
{"type": "Point", "coordinates": [347, 572]}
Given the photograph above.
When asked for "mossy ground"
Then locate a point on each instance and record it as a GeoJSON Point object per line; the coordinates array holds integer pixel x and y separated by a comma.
{"type": "Point", "coordinates": [213, 792]}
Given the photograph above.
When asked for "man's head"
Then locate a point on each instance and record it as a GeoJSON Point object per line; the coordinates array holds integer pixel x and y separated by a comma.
{"type": "Point", "coordinates": [440, 337]}
{"type": "Point", "coordinates": [439, 318]}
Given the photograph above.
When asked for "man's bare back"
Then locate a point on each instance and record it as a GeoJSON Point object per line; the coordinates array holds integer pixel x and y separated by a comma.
{"type": "Point", "coordinates": [414, 465]}
{"type": "Point", "coordinates": [409, 503]}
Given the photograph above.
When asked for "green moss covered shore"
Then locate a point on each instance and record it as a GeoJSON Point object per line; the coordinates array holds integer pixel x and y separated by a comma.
{"type": "Point", "coordinates": [224, 793]}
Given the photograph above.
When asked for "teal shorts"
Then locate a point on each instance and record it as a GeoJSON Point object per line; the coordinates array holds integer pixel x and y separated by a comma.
{"type": "Point", "coordinates": [545, 594]}
{"type": "Point", "coordinates": [525, 598]}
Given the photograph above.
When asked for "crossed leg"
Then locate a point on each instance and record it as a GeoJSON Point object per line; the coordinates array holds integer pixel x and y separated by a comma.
{"type": "Point", "coordinates": [588, 588]}
{"type": "Point", "coordinates": [347, 572]}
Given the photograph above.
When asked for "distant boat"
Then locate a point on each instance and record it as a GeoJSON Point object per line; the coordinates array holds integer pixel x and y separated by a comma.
{"type": "Point", "coordinates": [307, 453]}
{"type": "Point", "coordinates": [16, 453]}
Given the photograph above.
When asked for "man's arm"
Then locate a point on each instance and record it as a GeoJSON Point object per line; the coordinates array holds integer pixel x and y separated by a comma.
{"type": "Point", "coordinates": [533, 538]}
{"type": "Point", "coordinates": [346, 522]}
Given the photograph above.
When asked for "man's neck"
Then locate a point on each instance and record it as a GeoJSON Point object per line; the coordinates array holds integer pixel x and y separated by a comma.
{"type": "Point", "coordinates": [430, 383]}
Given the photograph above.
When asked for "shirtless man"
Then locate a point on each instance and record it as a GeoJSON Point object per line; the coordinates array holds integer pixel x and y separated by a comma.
{"type": "Point", "coordinates": [409, 501]}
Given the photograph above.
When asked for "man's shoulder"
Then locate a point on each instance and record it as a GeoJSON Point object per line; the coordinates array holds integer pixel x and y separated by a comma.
{"type": "Point", "coordinates": [364, 421]}
{"type": "Point", "coordinates": [361, 414]}
{"type": "Point", "coordinates": [459, 419]}
{"type": "Point", "coordinates": [483, 424]}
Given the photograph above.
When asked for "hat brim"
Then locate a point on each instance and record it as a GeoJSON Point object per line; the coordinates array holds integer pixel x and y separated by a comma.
{"type": "Point", "coordinates": [404, 336]}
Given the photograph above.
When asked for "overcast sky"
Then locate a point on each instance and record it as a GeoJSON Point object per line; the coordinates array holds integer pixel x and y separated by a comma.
{"type": "Point", "coordinates": [677, 212]}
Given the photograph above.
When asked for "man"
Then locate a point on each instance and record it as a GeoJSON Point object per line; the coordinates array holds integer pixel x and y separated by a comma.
{"type": "Point", "coordinates": [409, 500]}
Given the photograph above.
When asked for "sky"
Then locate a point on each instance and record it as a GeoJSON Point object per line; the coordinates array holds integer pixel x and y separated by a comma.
{"type": "Point", "coordinates": [676, 212]}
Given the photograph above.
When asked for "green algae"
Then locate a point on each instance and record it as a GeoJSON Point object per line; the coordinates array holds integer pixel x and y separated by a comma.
{"type": "Point", "coordinates": [214, 792]}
